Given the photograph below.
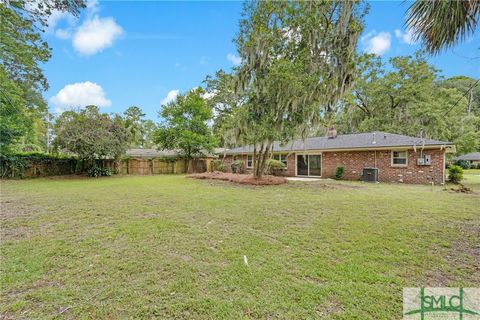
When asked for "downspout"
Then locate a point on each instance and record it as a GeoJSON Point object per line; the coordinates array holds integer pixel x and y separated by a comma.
{"type": "Point", "coordinates": [444, 164]}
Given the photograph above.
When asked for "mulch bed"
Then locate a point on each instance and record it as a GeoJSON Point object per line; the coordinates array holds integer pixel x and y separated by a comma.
{"type": "Point", "coordinates": [239, 178]}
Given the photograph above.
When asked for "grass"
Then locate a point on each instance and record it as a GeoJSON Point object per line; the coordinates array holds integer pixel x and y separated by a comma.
{"type": "Point", "coordinates": [472, 178]}
{"type": "Point", "coordinates": [170, 247]}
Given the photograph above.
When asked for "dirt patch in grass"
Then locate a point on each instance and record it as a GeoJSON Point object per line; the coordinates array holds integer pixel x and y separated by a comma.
{"type": "Point", "coordinates": [239, 178]}
{"type": "Point", "coordinates": [464, 254]}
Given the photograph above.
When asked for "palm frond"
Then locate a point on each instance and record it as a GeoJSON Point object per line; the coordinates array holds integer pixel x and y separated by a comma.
{"type": "Point", "coordinates": [440, 24]}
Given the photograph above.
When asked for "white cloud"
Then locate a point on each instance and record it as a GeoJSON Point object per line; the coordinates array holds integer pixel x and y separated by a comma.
{"type": "Point", "coordinates": [171, 96]}
{"type": "Point", "coordinates": [234, 59]}
{"type": "Point", "coordinates": [377, 43]}
{"type": "Point", "coordinates": [80, 94]}
{"type": "Point", "coordinates": [95, 35]}
{"type": "Point", "coordinates": [406, 37]}
{"type": "Point", "coordinates": [55, 17]}
{"type": "Point", "coordinates": [63, 34]}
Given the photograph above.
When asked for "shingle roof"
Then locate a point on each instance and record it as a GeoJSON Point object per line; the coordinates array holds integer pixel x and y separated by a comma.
{"type": "Point", "coordinates": [474, 156]}
{"type": "Point", "coordinates": [154, 153]}
{"type": "Point", "coordinates": [151, 153]}
{"type": "Point", "coordinates": [349, 141]}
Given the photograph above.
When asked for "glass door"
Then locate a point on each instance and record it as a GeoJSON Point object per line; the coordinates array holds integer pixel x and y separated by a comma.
{"type": "Point", "coordinates": [314, 165]}
{"type": "Point", "coordinates": [302, 165]}
{"type": "Point", "coordinates": [309, 165]}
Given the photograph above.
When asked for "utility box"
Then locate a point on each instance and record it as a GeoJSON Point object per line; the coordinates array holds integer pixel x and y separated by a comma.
{"type": "Point", "coordinates": [370, 174]}
{"type": "Point", "coordinates": [426, 160]}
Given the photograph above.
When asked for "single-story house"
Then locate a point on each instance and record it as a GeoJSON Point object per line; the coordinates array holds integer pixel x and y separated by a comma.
{"type": "Point", "coordinates": [388, 157]}
{"type": "Point", "coordinates": [472, 158]}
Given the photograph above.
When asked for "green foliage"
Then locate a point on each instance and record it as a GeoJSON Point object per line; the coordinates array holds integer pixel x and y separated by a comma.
{"type": "Point", "coordinates": [455, 174]}
{"type": "Point", "coordinates": [238, 166]}
{"type": "Point", "coordinates": [286, 47]}
{"type": "Point", "coordinates": [186, 125]}
{"type": "Point", "coordinates": [22, 107]}
{"type": "Point", "coordinates": [14, 165]}
{"type": "Point", "coordinates": [275, 167]}
{"type": "Point", "coordinates": [463, 164]}
{"type": "Point", "coordinates": [339, 171]}
{"type": "Point", "coordinates": [90, 134]}
{"type": "Point", "coordinates": [96, 172]}
{"type": "Point", "coordinates": [219, 165]}
{"type": "Point", "coordinates": [442, 24]}
{"type": "Point", "coordinates": [140, 130]}
{"type": "Point", "coordinates": [407, 97]}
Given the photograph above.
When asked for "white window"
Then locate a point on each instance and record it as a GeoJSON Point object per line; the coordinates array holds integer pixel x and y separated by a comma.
{"type": "Point", "coordinates": [282, 158]}
{"type": "Point", "coordinates": [399, 158]}
{"type": "Point", "coordinates": [249, 161]}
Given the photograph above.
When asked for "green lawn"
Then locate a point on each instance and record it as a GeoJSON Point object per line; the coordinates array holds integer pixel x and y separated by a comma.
{"type": "Point", "coordinates": [472, 178]}
{"type": "Point", "coordinates": [171, 247]}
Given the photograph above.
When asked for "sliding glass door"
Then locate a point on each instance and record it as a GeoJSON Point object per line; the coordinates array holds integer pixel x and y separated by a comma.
{"type": "Point", "coordinates": [309, 165]}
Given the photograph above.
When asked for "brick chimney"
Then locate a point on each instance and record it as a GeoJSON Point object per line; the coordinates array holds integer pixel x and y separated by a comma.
{"type": "Point", "coordinates": [332, 132]}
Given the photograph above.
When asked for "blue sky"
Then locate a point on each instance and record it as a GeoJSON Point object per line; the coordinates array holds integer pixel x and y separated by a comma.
{"type": "Point", "coordinates": [119, 53]}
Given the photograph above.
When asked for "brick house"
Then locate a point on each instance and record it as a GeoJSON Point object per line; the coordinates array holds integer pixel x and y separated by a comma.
{"type": "Point", "coordinates": [395, 158]}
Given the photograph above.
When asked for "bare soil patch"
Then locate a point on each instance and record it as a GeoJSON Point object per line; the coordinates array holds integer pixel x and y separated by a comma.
{"type": "Point", "coordinates": [239, 178]}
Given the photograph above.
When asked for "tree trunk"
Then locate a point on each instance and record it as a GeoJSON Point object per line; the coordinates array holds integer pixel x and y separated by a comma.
{"type": "Point", "coordinates": [263, 154]}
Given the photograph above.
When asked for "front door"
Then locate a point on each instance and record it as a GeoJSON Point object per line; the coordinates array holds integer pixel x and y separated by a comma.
{"type": "Point", "coordinates": [309, 165]}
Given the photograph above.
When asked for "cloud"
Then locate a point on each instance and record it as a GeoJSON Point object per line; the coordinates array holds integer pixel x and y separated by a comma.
{"type": "Point", "coordinates": [80, 94]}
{"type": "Point", "coordinates": [406, 37]}
{"type": "Point", "coordinates": [234, 59]}
{"type": "Point", "coordinates": [63, 33]}
{"type": "Point", "coordinates": [95, 35]}
{"type": "Point", "coordinates": [171, 96]}
{"type": "Point", "coordinates": [377, 43]}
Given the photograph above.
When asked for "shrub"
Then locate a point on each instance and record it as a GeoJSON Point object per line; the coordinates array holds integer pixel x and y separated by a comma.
{"type": "Point", "coordinates": [219, 165]}
{"type": "Point", "coordinates": [339, 171]}
{"type": "Point", "coordinates": [455, 174]}
{"type": "Point", "coordinates": [238, 166]}
{"type": "Point", "coordinates": [275, 167]}
{"type": "Point", "coordinates": [99, 172]}
{"type": "Point", "coordinates": [478, 165]}
{"type": "Point", "coordinates": [463, 164]}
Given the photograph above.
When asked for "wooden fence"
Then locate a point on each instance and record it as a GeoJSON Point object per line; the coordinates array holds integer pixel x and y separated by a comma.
{"type": "Point", "coordinates": [144, 166]}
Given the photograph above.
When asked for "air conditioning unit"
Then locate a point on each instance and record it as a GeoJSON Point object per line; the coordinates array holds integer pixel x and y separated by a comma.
{"type": "Point", "coordinates": [370, 174]}
{"type": "Point", "coordinates": [426, 160]}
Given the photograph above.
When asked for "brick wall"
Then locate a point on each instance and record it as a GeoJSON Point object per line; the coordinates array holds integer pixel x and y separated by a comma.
{"type": "Point", "coordinates": [354, 162]}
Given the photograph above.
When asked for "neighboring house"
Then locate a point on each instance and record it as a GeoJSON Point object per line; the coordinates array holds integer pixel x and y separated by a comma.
{"type": "Point", "coordinates": [472, 158]}
{"type": "Point", "coordinates": [397, 158]}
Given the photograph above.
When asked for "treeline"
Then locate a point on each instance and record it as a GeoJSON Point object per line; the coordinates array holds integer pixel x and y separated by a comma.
{"type": "Point", "coordinates": [408, 96]}
{"type": "Point", "coordinates": [275, 94]}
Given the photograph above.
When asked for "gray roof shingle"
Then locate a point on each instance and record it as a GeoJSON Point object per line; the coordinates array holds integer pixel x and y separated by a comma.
{"type": "Point", "coordinates": [348, 141]}
{"type": "Point", "coordinates": [474, 156]}
{"type": "Point", "coordinates": [154, 153]}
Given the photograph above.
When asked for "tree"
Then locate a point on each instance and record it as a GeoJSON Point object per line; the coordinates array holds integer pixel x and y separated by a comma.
{"type": "Point", "coordinates": [140, 130]}
{"type": "Point", "coordinates": [411, 99]}
{"type": "Point", "coordinates": [469, 87]}
{"type": "Point", "coordinates": [22, 50]}
{"type": "Point", "coordinates": [91, 135]}
{"type": "Point", "coordinates": [222, 98]}
{"type": "Point", "coordinates": [185, 125]}
{"type": "Point", "coordinates": [298, 60]}
{"type": "Point", "coordinates": [149, 128]}
{"type": "Point", "coordinates": [133, 117]}
{"type": "Point", "coordinates": [442, 24]}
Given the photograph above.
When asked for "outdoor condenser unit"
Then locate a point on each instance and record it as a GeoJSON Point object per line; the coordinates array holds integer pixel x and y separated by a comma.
{"type": "Point", "coordinates": [370, 174]}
